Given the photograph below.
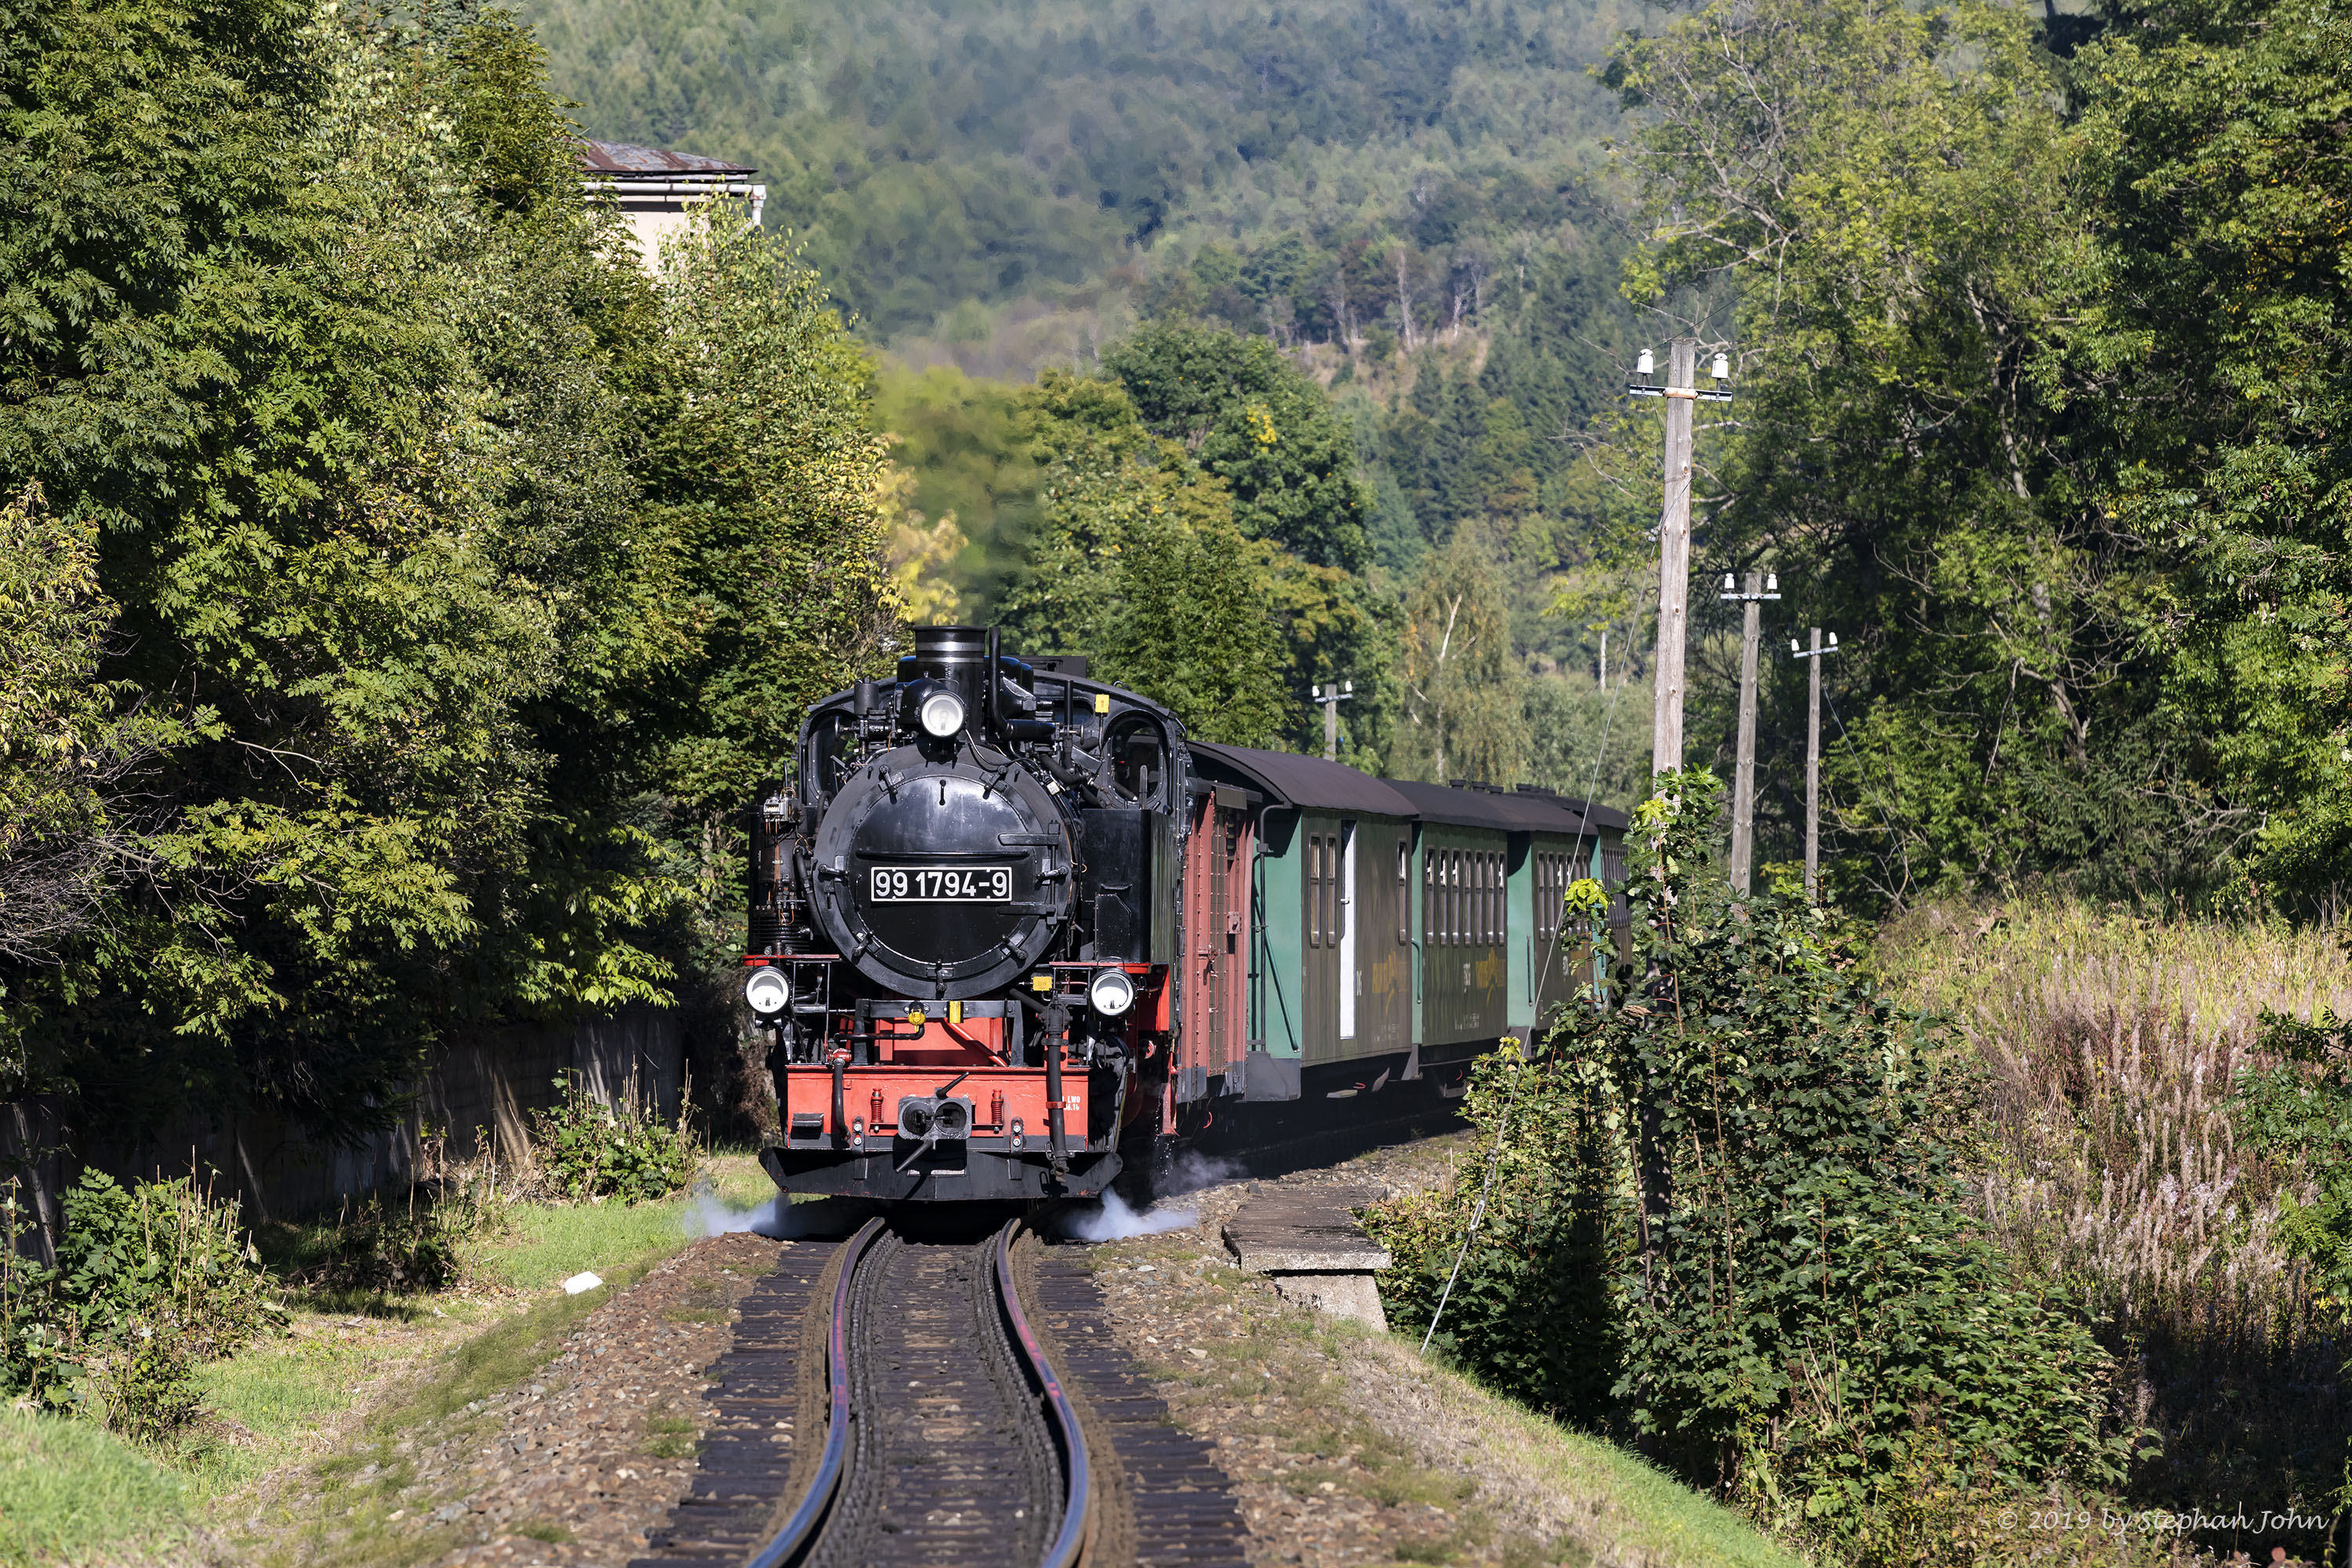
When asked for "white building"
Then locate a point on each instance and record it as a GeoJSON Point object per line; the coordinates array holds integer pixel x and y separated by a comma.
{"type": "Point", "coordinates": [655, 189]}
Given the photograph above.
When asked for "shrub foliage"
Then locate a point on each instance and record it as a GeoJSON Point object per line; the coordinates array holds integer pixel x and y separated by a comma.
{"type": "Point", "coordinates": [1721, 1224]}
{"type": "Point", "coordinates": [149, 1281]}
{"type": "Point", "coordinates": [2299, 1109]}
{"type": "Point", "coordinates": [589, 1150]}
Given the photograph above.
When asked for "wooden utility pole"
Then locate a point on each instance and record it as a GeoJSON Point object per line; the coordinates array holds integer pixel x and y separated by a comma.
{"type": "Point", "coordinates": [1330, 696]}
{"type": "Point", "coordinates": [1813, 764]}
{"type": "Point", "coordinates": [1813, 777]}
{"type": "Point", "coordinates": [1673, 559]}
{"type": "Point", "coordinates": [1743, 784]}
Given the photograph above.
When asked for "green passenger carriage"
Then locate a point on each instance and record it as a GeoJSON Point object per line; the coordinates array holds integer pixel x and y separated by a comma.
{"type": "Point", "coordinates": [1398, 929]}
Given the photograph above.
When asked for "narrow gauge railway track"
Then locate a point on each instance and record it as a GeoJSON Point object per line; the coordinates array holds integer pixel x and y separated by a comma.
{"type": "Point", "coordinates": [948, 1439]}
{"type": "Point", "coordinates": [888, 1401]}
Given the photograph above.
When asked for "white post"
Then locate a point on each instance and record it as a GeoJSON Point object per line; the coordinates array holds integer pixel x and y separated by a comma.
{"type": "Point", "coordinates": [1673, 559]}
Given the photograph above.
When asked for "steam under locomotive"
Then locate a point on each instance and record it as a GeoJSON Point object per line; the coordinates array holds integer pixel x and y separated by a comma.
{"type": "Point", "coordinates": [1010, 929]}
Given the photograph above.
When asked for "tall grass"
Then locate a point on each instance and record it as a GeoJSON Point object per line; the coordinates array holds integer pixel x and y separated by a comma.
{"type": "Point", "coordinates": [2106, 1157]}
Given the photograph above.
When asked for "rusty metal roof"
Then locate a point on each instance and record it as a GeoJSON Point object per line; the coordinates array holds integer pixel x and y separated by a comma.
{"type": "Point", "coordinates": [623, 161]}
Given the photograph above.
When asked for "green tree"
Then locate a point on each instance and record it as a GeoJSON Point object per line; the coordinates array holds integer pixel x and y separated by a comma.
{"type": "Point", "coordinates": [1139, 565]}
{"type": "Point", "coordinates": [444, 546]}
{"type": "Point", "coordinates": [1257, 423]}
{"type": "Point", "coordinates": [1463, 717]}
{"type": "Point", "coordinates": [2221, 207]}
{"type": "Point", "coordinates": [64, 742]}
{"type": "Point", "coordinates": [1917, 445]}
{"type": "Point", "coordinates": [769, 468]}
{"type": "Point", "coordinates": [969, 443]}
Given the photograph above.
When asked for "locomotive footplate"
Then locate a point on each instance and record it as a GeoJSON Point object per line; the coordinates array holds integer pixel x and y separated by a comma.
{"type": "Point", "coordinates": [983, 1173]}
{"type": "Point", "coordinates": [892, 1131]}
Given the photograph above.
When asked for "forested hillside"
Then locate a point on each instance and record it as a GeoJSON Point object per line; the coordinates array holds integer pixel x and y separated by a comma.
{"type": "Point", "coordinates": [949, 164]}
{"type": "Point", "coordinates": [1993, 427]}
{"type": "Point", "coordinates": [1414, 201]}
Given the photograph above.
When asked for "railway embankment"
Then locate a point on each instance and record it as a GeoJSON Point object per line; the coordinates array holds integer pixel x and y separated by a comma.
{"type": "Point", "coordinates": [307, 1437]}
{"type": "Point", "coordinates": [574, 1461]}
{"type": "Point", "coordinates": [1344, 1444]}
{"type": "Point", "coordinates": [530, 1425]}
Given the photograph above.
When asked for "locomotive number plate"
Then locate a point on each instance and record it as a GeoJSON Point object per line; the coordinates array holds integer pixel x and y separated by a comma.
{"type": "Point", "coordinates": [942, 884]}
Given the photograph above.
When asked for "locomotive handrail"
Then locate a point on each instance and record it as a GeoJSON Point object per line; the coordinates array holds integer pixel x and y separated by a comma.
{"type": "Point", "coordinates": [801, 1529]}
{"type": "Point", "coordinates": [1070, 1542]}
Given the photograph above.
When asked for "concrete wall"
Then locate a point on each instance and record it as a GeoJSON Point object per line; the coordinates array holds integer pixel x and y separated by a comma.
{"type": "Point", "coordinates": [479, 1089]}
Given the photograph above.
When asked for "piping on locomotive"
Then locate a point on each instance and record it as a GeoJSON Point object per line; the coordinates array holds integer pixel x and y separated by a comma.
{"type": "Point", "coordinates": [1011, 929]}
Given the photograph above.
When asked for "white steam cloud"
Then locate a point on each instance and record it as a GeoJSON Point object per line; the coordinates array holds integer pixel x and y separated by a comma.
{"type": "Point", "coordinates": [708, 1217]}
{"type": "Point", "coordinates": [1194, 1171]}
{"type": "Point", "coordinates": [779, 1217]}
{"type": "Point", "coordinates": [1113, 1220]}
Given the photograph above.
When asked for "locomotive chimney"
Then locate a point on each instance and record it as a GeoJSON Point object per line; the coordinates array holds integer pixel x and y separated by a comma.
{"type": "Point", "coordinates": [957, 656]}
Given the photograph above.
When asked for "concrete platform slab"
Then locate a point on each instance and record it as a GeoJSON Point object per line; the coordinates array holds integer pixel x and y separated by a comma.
{"type": "Point", "coordinates": [1311, 1246]}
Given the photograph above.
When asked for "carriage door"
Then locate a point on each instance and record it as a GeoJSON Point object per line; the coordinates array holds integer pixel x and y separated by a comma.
{"type": "Point", "coordinates": [1216, 918]}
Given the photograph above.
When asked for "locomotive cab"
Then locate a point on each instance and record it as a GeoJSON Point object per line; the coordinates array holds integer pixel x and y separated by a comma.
{"type": "Point", "coordinates": [963, 925]}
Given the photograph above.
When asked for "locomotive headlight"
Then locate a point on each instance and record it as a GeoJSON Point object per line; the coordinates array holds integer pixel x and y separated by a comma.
{"type": "Point", "coordinates": [941, 715]}
{"type": "Point", "coordinates": [1111, 993]}
{"type": "Point", "coordinates": [768, 991]}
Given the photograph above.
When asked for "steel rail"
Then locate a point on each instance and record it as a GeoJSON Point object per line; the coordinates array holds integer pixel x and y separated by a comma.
{"type": "Point", "coordinates": [809, 1518]}
{"type": "Point", "coordinates": [1069, 1544]}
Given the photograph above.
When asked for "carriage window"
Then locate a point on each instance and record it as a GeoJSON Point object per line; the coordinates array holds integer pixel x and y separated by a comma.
{"type": "Point", "coordinates": [1438, 931]}
{"type": "Point", "coordinates": [1454, 897]}
{"type": "Point", "coordinates": [1445, 897]}
{"type": "Point", "coordinates": [1339, 913]}
{"type": "Point", "coordinates": [1313, 890]}
{"type": "Point", "coordinates": [1328, 891]}
{"type": "Point", "coordinates": [1428, 897]}
{"type": "Point", "coordinates": [1490, 899]}
{"type": "Point", "coordinates": [1332, 913]}
{"type": "Point", "coordinates": [1404, 892]}
{"type": "Point", "coordinates": [825, 762]}
{"type": "Point", "coordinates": [1138, 755]}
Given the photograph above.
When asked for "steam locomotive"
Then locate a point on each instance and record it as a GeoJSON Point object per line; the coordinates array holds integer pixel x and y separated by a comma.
{"type": "Point", "coordinates": [1010, 930]}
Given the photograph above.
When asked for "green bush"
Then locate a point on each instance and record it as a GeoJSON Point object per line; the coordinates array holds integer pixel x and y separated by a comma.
{"type": "Point", "coordinates": [2299, 1110]}
{"type": "Point", "coordinates": [587, 1150]}
{"type": "Point", "coordinates": [167, 1253]}
{"type": "Point", "coordinates": [149, 1281]}
{"type": "Point", "coordinates": [1720, 1226]}
{"type": "Point", "coordinates": [140, 1380]}
{"type": "Point", "coordinates": [36, 1358]}
{"type": "Point", "coordinates": [397, 1248]}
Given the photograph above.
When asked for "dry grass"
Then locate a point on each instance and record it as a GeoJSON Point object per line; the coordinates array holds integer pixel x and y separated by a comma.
{"type": "Point", "coordinates": [2104, 1157]}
